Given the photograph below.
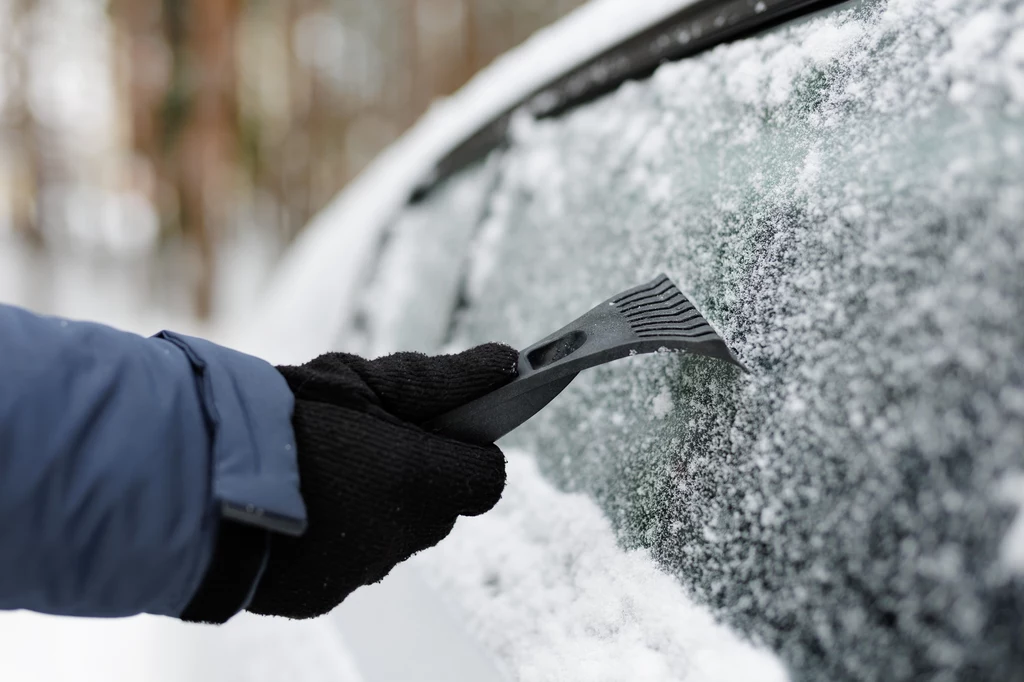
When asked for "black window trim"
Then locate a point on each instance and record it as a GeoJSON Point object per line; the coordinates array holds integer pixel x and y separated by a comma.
{"type": "Point", "coordinates": [693, 29]}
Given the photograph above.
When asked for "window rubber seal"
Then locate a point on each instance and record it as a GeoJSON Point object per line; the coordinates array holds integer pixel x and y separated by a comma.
{"type": "Point", "coordinates": [690, 31]}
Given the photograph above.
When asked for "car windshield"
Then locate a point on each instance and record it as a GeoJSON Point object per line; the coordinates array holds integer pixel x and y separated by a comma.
{"type": "Point", "coordinates": [842, 199]}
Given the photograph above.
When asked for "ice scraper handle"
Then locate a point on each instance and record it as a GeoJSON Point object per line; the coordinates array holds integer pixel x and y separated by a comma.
{"type": "Point", "coordinates": [490, 417]}
{"type": "Point", "coordinates": [652, 317]}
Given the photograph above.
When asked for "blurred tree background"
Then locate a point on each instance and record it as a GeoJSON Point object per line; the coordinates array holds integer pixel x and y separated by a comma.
{"type": "Point", "coordinates": [172, 138]}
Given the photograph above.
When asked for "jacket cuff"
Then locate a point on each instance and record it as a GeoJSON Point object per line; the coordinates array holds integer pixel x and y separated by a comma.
{"type": "Point", "coordinates": [248, 405]}
{"type": "Point", "coordinates": [238, 562]}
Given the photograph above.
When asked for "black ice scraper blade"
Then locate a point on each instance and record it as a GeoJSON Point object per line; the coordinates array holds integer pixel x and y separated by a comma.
{"type": "Point", "coordinates": [652, 317]}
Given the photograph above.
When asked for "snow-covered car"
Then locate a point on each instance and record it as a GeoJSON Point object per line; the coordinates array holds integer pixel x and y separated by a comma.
{"type": "Point", "coordinates": [840, 189]}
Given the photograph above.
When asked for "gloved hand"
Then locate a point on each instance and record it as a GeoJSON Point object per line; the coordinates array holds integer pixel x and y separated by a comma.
{"type": "Point", "coordinates": [378, 488]}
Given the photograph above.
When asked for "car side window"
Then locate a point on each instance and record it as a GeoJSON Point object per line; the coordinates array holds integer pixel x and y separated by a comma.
{"type": "Point", "coordinates": [841, 198]}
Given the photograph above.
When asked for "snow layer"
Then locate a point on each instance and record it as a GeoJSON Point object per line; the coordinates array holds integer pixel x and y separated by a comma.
{"type": "Point", "coordinates": [842, 197]}
{"type": "Point", "coordinates": [557, 599]}
{"type": "Point", "coordinates": [258, 649]}
{"type": "Point", "coordinates": [39, 648]}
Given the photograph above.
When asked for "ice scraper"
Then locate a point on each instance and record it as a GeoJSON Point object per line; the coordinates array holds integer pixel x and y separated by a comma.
{"type": "Point", "coordinates": [649, 318]}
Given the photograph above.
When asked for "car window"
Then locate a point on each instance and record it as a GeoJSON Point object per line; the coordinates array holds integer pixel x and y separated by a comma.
{"type": "Point", "coordinates": [842, 198]}
{"type": "Point", "coordinates": [416, 286]}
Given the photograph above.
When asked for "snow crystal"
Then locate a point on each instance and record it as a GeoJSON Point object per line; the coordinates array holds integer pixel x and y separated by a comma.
{"type": "Point", "coordinates": [661, 405]}
{"type": "Point", "coordinates": [552, 592]}
{"type": "Point", "coordinates": [1012, 551]}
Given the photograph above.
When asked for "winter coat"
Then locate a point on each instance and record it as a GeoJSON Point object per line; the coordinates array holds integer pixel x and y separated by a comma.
{"type": "Point", "coordinates": [118, 456]}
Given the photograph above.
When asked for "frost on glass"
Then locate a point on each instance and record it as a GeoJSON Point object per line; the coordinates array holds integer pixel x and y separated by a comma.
{"type": "Point", "coordinates": [417, 282]}
{"type": "Point", "coordinates": [843, 198]}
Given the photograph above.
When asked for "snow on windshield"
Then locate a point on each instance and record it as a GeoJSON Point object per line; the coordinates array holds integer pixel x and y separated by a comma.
{"type": "Point", "coordinates": [842, 197]}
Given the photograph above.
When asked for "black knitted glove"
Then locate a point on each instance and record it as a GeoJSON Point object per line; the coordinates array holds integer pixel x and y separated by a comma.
{"type": "Point", "coordinates": [378, 488]}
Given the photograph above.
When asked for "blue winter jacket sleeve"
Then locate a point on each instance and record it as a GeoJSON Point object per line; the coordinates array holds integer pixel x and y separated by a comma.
{"type": "Point", "coordinates": [118, 456]}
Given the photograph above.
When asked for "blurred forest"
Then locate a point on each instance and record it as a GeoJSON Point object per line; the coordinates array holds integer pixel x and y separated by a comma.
{"type": "Point", "coordinates": [172, 137]}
